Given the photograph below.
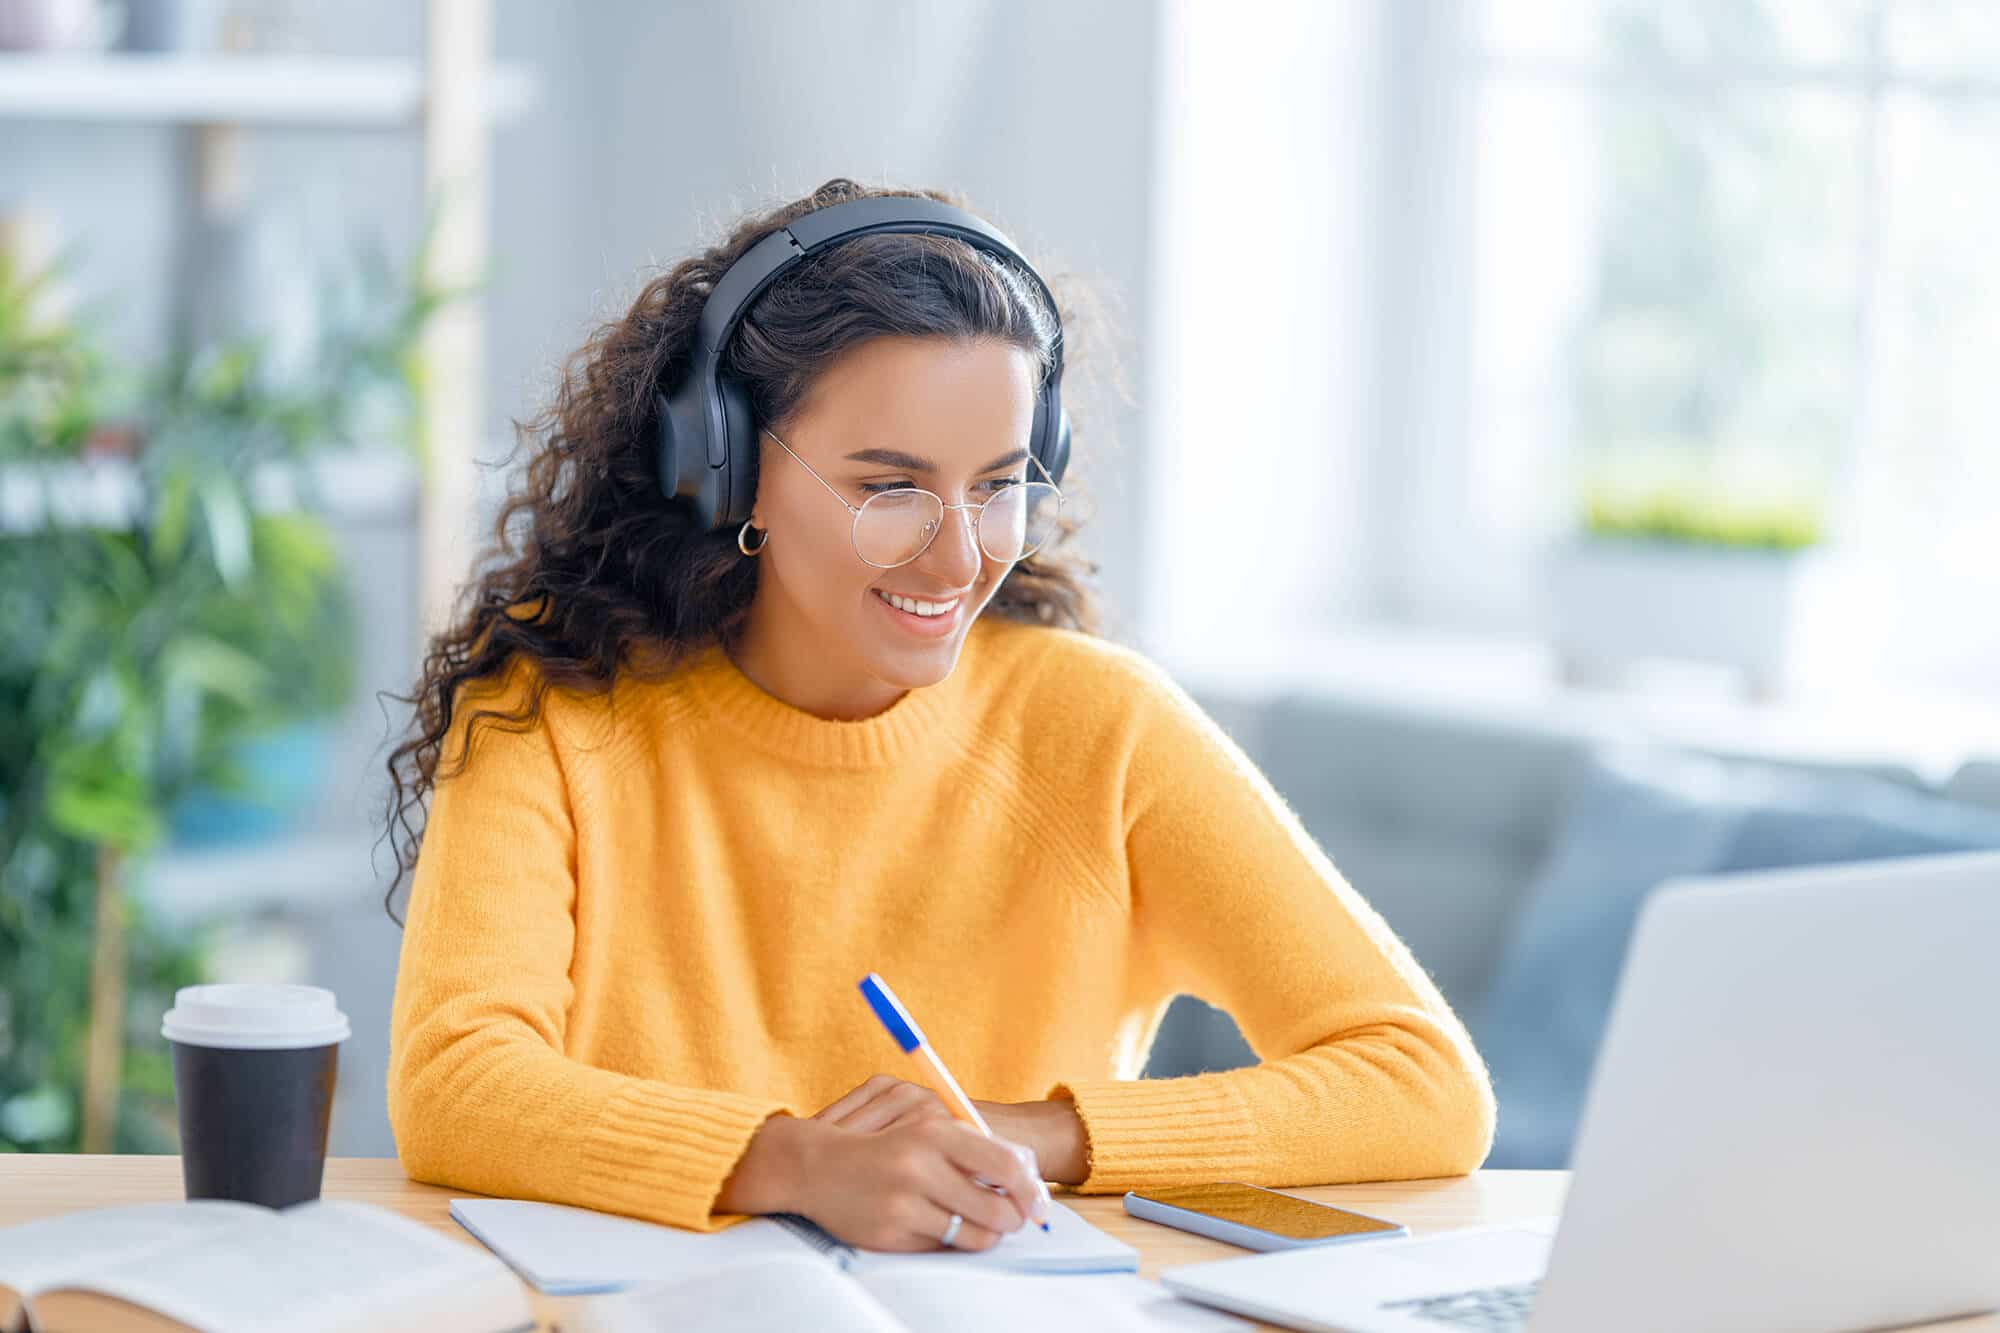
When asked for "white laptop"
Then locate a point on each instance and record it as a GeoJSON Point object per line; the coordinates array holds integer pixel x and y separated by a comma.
{"type": "Point", "coordinates": [1793, 1127]}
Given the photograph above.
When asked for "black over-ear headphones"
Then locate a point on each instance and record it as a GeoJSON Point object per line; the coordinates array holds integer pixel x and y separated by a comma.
{"type": "Point", "coordinates": [707, 437]}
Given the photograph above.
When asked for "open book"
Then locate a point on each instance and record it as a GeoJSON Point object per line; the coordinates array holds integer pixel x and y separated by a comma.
{"type": "Point", "coordinates": [898, 1295]}
{"type": "Point", "coordinates": [564, 1250]}
{"type": "Point", "coordinates": [327, 1266]}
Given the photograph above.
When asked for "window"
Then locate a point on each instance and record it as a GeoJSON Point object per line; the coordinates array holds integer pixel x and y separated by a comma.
{"type": "Point", "coordinates": [1752, 235]}
{"type": "Point", "coordinates": [1424, 268]}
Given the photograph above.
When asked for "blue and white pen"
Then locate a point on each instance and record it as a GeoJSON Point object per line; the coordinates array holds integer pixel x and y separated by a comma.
{"type": "Point", "coordinates": [930, 1070]}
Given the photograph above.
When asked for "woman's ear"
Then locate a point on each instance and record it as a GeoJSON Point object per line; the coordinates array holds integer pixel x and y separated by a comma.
{"type": "Point", "coordinates": [763, 471]}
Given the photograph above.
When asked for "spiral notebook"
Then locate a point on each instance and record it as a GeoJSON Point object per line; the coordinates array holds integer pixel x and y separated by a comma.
{"type": "Point", "coordinates": [566, 1251]}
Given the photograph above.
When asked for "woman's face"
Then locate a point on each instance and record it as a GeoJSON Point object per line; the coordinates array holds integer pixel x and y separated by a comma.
{"type": "Point", "coordinates": [952, 417]}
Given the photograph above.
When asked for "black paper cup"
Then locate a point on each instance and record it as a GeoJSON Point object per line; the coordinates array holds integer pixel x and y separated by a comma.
{"type": "Point", "coordinates": [254, 1070]}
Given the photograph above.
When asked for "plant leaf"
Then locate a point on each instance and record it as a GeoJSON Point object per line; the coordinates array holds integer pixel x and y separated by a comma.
{"type": "Point", "coordinates": [228, 529]}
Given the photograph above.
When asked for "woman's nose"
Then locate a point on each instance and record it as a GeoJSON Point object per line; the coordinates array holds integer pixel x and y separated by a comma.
{"type": "Point", "coordinates": [953, 554]}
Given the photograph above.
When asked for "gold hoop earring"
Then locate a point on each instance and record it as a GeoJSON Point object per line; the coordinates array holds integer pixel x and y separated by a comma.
{"type": "Point", "coordinates": [743, 532]}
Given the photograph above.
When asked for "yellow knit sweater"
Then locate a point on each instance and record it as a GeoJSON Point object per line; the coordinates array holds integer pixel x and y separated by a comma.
{"type": "Point", "coordinates": [635, 931]}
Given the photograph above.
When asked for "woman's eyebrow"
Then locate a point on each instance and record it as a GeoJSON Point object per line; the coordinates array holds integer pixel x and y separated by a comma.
{"type": "Point", "coordinates": [893, 458]}
{"type": "Point", "coordinates": [1006, 460]}
{"type": "Point", "coordinates": [912, 463]}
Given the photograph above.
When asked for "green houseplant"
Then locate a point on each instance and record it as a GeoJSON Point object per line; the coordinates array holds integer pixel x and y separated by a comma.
{"type": "Point", "coordinates": [1693, 516]}
{"type": "Point", "coordinates": [1689, 564]}
{"type": "Point", "coordinates": [143, 652]}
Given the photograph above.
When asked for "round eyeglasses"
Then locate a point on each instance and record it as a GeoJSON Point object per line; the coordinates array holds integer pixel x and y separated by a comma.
{"type": "Point", "coordinates": [894, 527]}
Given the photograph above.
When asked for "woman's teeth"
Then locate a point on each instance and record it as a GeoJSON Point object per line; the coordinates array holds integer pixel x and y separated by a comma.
{"type": "Point", "coordinates": [915, 607]}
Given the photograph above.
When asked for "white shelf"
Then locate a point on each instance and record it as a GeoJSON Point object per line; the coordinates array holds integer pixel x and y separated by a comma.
{"type": "Point", "coordinates": [1513, 684]}
{"type": "Point", "coordinates": [296, 873]}
{"type": "Point", "coordinates": [104, 493]}
{"type": "Point", "coordinates": [261, 90]}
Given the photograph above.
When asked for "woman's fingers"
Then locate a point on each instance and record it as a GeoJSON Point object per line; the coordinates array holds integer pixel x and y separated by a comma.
{"type": "Point", "coordinates": [838, 1112]}
{"type": "Point", "coordinates": [995, 1161]}
{"type": "Point", "coordinates": [971, 1235]}
{"type": "Point", "coordinates": [985, 1212]}
{"type": "Point", "coordinates": [905, 1102]}
{"type": "Point", "coordinates": [881, 1102]}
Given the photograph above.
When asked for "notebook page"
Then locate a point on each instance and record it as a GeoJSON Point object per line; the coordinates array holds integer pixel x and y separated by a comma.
{"type": "Point", "coordinates": [1070, 1245]}
{"type": "Point", "coordinates": [321, 1265]}
{"type": "Point", "coordinates": [56, 1249]}
{"type": "Point", "coordinates": [565, 1251]}
{"type": "Point", "coordinates": [740, 1296]}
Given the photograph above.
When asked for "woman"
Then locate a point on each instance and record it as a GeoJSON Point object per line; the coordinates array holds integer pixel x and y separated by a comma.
{"type": "Point", "coordinates": [718, 774]}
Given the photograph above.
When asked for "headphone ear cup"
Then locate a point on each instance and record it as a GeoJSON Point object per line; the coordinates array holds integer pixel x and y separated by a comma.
{"type": "Point", "coordinates": [1061, 448]}
{"type": "Point", "coordinates": [1051, 446]}
{"type": "Point", "coordinates": [736, 480]}
{"type": "Point", "coordinates": [681, 446]}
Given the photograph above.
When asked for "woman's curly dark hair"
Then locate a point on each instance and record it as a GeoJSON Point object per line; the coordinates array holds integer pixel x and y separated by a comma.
{"type": "Point", "coordinates": [592, 572]}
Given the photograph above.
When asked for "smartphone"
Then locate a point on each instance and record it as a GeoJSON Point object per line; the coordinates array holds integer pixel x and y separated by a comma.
{"type": "Point", "coordinates": [1256, 1218]}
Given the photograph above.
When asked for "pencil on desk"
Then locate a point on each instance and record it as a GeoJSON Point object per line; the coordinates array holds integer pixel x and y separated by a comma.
{"type": "Point", "coordinates": [931, 1071]}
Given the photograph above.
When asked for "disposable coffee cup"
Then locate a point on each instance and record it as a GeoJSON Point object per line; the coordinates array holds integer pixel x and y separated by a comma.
{"type": "Point", "coordinates": [254, 1068]}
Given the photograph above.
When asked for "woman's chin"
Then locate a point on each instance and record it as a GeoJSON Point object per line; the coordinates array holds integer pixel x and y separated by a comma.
{"type": "Point", "coordinates": [912, 666]}
{"type": "Point", "coordinates": [911, 652]}
{"type": "Point", "coordinates": [914, 670]}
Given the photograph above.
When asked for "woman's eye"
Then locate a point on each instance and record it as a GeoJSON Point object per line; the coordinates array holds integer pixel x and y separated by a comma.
{"type": "Point", "coordinates": [877, 487]}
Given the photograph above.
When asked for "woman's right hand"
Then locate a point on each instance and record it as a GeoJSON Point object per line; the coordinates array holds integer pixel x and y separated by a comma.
{"type": "Point", "coordinates": [887, 1189]}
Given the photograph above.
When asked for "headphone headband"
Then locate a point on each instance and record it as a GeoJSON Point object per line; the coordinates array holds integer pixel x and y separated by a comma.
{"type": "Point", "coordinates": [707, 436]}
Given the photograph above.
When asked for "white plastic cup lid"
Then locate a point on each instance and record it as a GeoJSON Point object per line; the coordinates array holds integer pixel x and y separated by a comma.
{"type": "Point", "coordinates": [254, 1016]}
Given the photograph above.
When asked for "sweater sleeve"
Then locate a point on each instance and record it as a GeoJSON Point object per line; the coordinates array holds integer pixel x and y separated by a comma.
{"type": "Point", "coordinates": [1364, 1073]}
{"type": "Point", "coordinates": [481, 1095]}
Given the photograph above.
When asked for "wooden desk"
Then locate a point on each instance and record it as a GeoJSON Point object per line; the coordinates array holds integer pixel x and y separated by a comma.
{"type": "Point", "coordinates": [38, 1185]}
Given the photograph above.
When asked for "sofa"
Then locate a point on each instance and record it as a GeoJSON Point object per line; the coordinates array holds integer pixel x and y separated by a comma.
{"type": "Point", "coordinates": [1511, 856]}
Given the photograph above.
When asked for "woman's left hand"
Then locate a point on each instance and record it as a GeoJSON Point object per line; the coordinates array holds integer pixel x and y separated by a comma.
{"type": "Point", "coordinates": [1050, 1129]}
{"type": "Point", "coordinates": [884, 1101]}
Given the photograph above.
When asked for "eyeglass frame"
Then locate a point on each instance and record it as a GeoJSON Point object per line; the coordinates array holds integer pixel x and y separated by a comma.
{"type": "Point", "coordinates": [854, 537]}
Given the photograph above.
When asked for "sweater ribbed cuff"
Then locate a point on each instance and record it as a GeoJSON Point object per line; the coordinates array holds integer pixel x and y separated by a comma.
{"type": "Point", "coordinates": [1161, 1131]}
{"type": "Point", "coordinates": [664, 1153]}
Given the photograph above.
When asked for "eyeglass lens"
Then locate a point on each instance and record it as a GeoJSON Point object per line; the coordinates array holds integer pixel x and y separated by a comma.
{"type": "Point", "coordinates": [894, 527]}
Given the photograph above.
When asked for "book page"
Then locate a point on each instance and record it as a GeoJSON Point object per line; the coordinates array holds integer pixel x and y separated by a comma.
{"type": "Point", "coordinates": [1159, 1308]}
{"type": "Point", "coordinates": [324, 1265]}
{"type": "Point", "coordinates": [742, 1296]}
{"type": "Point", "coordinates": [57, 1249]}
{"type": "Point", "coordinates": [925, 1297]}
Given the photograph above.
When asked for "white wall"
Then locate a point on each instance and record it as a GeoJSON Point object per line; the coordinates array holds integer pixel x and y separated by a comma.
{"type": "Point", "coordinates": [1264, 359]}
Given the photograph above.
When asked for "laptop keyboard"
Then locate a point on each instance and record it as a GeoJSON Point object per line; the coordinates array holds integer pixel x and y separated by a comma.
{"type": "Point", "coordinates": [1495, 1308]}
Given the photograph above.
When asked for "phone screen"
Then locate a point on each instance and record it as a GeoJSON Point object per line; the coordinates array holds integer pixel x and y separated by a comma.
{"type": "Point", "coordinates": [1267, 1210]}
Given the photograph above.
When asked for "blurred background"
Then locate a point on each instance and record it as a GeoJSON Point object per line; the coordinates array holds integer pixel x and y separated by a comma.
{"type": "Point", "coordinates": [1556, 438]}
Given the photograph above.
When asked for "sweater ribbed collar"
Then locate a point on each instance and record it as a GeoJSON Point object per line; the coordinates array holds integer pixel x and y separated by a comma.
{"type": "Point", "coordinates": [922, 718]}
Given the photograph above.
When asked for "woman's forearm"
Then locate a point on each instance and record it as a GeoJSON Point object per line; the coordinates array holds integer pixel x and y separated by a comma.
{"type": "Point", "coordinates": [1051, 1128]}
